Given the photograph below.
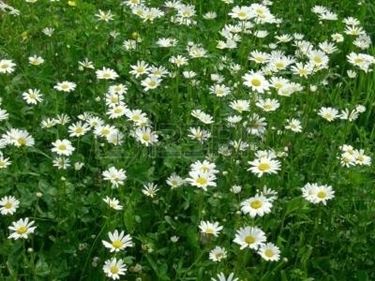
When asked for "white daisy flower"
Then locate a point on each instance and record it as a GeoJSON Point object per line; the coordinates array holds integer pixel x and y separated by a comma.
{"type": "Point", "coordinates": [113, 268]}
{"type": "Point", "coordinates": [249, 237]}
{"type": "Point", "coordinates": [21, 229]}
{"type": "Point", "coordinates": [8, 205]}
{"type": "Point", "coordinates": [118, 241]}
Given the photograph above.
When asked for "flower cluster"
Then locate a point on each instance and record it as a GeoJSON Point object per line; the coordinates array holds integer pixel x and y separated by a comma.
{"type": "Point", "coordinates": [353, 157]}
{"type": "Point", "coordinates": [202, 174]}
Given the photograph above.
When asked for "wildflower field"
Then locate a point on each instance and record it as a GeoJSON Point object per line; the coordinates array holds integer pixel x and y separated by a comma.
{"type": "Point", "coordinates": [220, 140]}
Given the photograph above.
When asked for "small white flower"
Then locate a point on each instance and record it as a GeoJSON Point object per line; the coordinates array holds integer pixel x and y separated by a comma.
{"type": "Point", "coordinates": [21, 229]}
{"type": "Point", "coordinates": [8, 205]}
{"type": "Point", "coordinates": [118, 241]}
{"type": "Point", "coordinates": [113, 268]}
{"type": "Point", "coordinates": [115, 176]}
{"type": "Point", "coordinates": [63, 147]}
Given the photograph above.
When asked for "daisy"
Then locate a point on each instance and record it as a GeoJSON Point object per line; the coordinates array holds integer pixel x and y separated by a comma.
{"type": "Point", "coordinates": [119, 89]}
{"type": "Point", "coordinates": [19, 138]}
{"type": "Point", "coordinates": [85, 64]}
{"type": "Point", "coordinates": [65, 86]}
{"type": "Point", "coordinates": [48, 31]}
{"type": "Point", "coordinates": [217, 254]}
{"type": "Point", "coordinates": [256, 82]}
{"type": "Point", "coordinates": [166, 42]}
{"type": "Point", "coordinates": [175, 181]}
{"type": "Point", "coordinates": [269, 252]}
{"type": "Point", "coordinates": [118, 241]}
{"type": "Point", "coordinates": [302, 70]}
{"type": "Point", "coordinates": [256, 125]}
{"type": "Point", "coordinates": [150, 189]}
{"type": "Point", "coordinates": [8, 205]}
{"type": "Point", "coordinates": [158, 72]}
{"type": "Point", "coordinates": [61, 163]}
{"type": "Point", "coordinates": [316, 194]}
{"type": "Point", "coordinates": [210, 228]}
{"type": "Point", "coordinates": [113, 268]}
{"type": "Point", "coordinates": [328, 113]}
{"type": "Point", "coordinates": [4, 115]}
{"type": "Point", "coordinates": [106, 74]}
{"type": "Point", "coordinates": [361, 159]}
{"type": "Point", "coordinates": [178, 60]}
{"type": "Point", "coordinates": [117, 111]}
{"type": "Point", "coordinates": [264, 165]}
{"type": "Point", "coordinates": [150, 83]}
{"type": "Point", "coordinates": [62, 119]}
{"type": "Point", "coordinates": [7, 66]}
{"type": "Point", "coordinates": [318, 59]}
{"type": "Point", "coordinates": [363, 61]}
{"type": "Point", "coordinates": [259, 57]}
{"type": "Point", "coordinates": [201, 180]}
{"type": "Point", "coordinates": [78, 129]}
{"type": "Point", "coordinates": [137, 116]}
{"type": "Point", "coordinates": [203, 117]}
{"type": "Point", "coordinates": [139, 69]}
{"type": "Point", "coordinates": [115, 176]}
{"type": "Point", "coordinates": [221, 277]}
{"type": "Point", "coordinates": [63, 147]}
{"type": "Point", "coordinates": [4, 162]}
{"type": "Point", "coordinates": [204, 167]}
{"type": "Point", "coordinates": [294, 125]}
{"type": "Point", "coordinates": [243, 13]}
{"type": "Point", "coordinates": [113, 203]}
{"type": "Point", "coordinates": [146, 136]}
{"type": "Point", "coordinates": [268, 104]}
{"type": "Point", "coordinates": [36, 60]}
{"type": "Point", "coordinates": [105, 16]}
{"type": "Point", "coordinates": [240, 105]}
{"type": "Point", "coordinates": [21, 229]}
{"type": "Point", "coordinates": [256, 206]}
{"type": "Point", "coordinates": [249, 237]}
{"type": "Point", "coordinates": [32, 96]}
{"type": "Point", "coordinates": [199, 134]}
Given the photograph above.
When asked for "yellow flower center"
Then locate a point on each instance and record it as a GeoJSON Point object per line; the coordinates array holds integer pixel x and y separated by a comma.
{"type": "Point", "coordinates": [256, 204]}
{"type": "Point", "coordinates": [256, 82]}
{"type": "Point", "coordinates": [241, 14]}
{"type": "Point", "coordinates": [152, 84]}
{"type": "Point", "coordinates": [201, 181]}
{"type": "Point", "coordinates": [114, 269]}
{"type": "Point", "coordinates": [62, 147]}
{"type": "Point", "coordinates": [279, 65]}
{"type": "Point", "coordinates": [105, 132]}
{"type": "Point", "coordinates": [209, 231]}
{"type": "Point", "coordinates": [249, 239]}
{"type": "Point", "coordinates": [117, 244]}
{"type": "Point", "coordinates": [268, 253]}
{"type": "Point", "coordinates": [118, 110]}
{"type": "Point", "coordinates": [322, 194]}
{"type": "Point", "coordinates": [317, 60]}
{"type": "Point", "coordinates": [21, 141]}
{"type": "Point", "coordinates": [21, 230]}
{"type": "Point", "coordinates": [268, 106]}
{"type": "Point", "coordinates": [8, 205]}
{"type": "Point", "coordinates": [264, 167]}
{"type": "Point", "coordinates": [146, 137]}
